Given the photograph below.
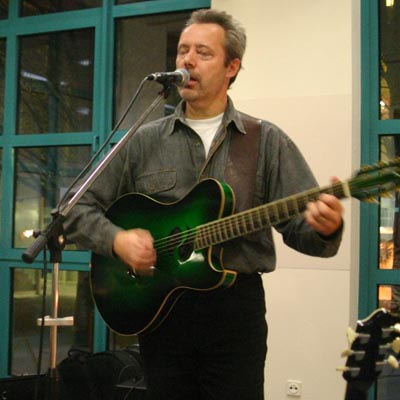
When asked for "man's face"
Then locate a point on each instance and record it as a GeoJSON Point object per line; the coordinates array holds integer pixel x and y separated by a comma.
{"type": "Point", "coordinates": [201, 51]}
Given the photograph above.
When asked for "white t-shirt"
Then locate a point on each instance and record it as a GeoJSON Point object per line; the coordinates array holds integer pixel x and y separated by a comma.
{"type": "Point", "coordinates": [206, 129]}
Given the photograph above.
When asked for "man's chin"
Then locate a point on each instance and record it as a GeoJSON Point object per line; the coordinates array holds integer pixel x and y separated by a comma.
{"type": "Point", "coordinates": [187, 94]}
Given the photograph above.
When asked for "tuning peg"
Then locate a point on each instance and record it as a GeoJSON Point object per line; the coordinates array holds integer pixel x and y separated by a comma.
{"type": "Point", "coordinates": [392, 329]}
{"type": "Point", "coordinates": [352, 335]}
{"type": "Point", "coordinates": [392, 361]}
{"type": "Point", "coordinates": [396, 345]}
{"type": "Point", "coordinates": [359, 354]}
{"type": "Point", "coordinates": [354, 371]}
{"type": "Point", "coordinates": [346, 353]}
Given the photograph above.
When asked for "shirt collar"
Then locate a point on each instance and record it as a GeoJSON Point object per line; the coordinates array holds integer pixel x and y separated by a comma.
{"type": "Point", "coordinates": [231, 116]}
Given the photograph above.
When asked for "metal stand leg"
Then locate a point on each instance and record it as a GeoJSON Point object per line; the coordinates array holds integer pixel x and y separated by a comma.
{"type": "Point", "coordinates": [54, 322]}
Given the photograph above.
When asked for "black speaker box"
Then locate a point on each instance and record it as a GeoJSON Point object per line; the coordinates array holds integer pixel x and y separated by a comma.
{"type": "Point", "coordinates": [21, 388]}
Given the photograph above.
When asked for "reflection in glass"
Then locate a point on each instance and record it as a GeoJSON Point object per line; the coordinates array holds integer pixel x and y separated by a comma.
{"type": "Point", "coordinates": [55, 91]}
{"type": "Point", "coordinates": [389, 45]}
{"type": "Point", "coordinates": [27, 289]}
{"type": "Point", "coordinates": [389, 298]}
{"type": "Point", "coordinates": [2, 76]}
{"type": "Point", "coordinates": [42, 176]}
{"type": "Point", "coordinates": [37, 7]}
{"type": "Point", "coordinates": [389, 226]}
{"type": "Point", "coordinates": [4, 9]}
{"type": "Point", "coordinates": [136, 58]}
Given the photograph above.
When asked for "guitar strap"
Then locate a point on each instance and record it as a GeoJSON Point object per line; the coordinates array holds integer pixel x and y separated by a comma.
{"type": "Point", "coordinates": [241, 169]}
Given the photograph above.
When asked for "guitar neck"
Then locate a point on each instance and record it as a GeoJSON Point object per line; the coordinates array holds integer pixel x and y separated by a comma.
{"type": "Point", "coordinates": [255, 219]}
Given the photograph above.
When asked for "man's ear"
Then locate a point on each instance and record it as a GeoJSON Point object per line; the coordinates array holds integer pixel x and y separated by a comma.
{"type": "Point", "coordinates": [233, 68]}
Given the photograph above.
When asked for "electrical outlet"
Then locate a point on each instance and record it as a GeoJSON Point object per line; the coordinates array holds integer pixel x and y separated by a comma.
{"type": "Point", "coordinates": [293, 388]}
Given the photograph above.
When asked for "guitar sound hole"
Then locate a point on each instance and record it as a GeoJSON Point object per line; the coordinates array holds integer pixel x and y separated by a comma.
{"type": "Point", "coordinates": [184, 249]}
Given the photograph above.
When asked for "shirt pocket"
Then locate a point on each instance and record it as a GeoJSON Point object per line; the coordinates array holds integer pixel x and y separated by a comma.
{"type": "Point", "coordinates": [156, 182]}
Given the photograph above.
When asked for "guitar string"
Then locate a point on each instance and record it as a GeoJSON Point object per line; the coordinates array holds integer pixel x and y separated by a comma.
{"type": "Point", "coordinates": [244, 219]}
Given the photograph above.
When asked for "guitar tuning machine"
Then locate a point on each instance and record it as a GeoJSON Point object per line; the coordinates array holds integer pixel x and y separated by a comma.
{"type": "Point", "coordinates": [391, 361]}
{"type": "Point", "coordinates": [358, 354]}
{"type": "Point", "coordinates": [396, 345]}
{"type": "Point", "coordinates": [353, 371]}
{"type": "Point", "coordinates": [352, 335]}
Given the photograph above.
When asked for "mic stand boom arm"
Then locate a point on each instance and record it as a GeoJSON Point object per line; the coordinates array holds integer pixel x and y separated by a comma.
{"type": "Point", "coordinates": [58, 218]}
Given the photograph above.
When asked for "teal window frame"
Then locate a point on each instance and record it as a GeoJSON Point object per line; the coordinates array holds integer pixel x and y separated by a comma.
{"type": "Point", "coordinates": [372, 128]}
{"type": "Point", "coordinates": [102, 19]}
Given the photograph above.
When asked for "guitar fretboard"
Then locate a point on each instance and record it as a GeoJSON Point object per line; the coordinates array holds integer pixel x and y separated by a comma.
{"type": "Point", "coordinates": [255, 219]}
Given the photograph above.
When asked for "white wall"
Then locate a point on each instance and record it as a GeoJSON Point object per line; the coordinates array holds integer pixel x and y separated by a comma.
{"type": "Point", "coordinates": [302, 73]}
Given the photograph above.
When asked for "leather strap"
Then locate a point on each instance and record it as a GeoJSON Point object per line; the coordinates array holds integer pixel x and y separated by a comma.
{"type": "Point", "coordinates": [241, 169]}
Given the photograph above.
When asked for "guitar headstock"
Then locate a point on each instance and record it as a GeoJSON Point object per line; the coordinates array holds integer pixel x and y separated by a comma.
{"type": "Point", "coordinates": [374, 344]}
{"type": "Point", "coordinates": [378, 180]}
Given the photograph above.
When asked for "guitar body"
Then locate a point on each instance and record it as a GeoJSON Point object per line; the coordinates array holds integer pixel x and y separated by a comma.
{"type": "Point", "coordinates": [133, 304]}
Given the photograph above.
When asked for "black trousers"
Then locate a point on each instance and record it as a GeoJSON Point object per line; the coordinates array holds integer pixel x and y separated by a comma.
{"type": "Point", "coordinates": [211, 346]}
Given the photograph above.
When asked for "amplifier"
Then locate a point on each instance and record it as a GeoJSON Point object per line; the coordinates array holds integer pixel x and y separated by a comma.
{"type": "Point", "coordinates": [21, 387]}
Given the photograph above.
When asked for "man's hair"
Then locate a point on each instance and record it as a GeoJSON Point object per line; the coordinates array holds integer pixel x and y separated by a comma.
{"type": "Point", "coordinates": [235, 35]}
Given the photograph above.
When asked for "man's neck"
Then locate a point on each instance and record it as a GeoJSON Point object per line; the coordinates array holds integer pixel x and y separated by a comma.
{"type": "Point", "coordinates": [198, 111]}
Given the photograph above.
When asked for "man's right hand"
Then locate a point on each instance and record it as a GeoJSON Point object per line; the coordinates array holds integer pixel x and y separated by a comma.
{"type": "Point", "coordinates": [135, 248]}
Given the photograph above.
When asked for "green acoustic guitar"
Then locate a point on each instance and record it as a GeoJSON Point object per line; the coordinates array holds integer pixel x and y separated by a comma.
{"type": "Point", "coordinates": [184, 235]}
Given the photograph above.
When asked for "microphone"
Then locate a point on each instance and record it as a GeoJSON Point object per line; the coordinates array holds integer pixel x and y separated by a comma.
{"type": "Point", "coordinates": [180, 77]}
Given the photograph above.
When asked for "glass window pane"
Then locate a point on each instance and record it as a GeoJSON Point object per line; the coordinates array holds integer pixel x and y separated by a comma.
{"type": "Point", "coordinates": [389, 298]}
{"type": "Point", "coordinates": [55, 91]}
{"type": "Point", "coordinates": [135, 59]}
{"type": "Point", "coordinates": [37, 7]}
{"type": "Point", "coordinates": [4, 9]}
{"type": "Point", "coordinates": [389, 226]}
{"type": "Point", "coordinates": [42, 176]}
{"type": "Point", "coordinates": [74, 300]}
{"type": "Point", "coordinates": [389, 43]}
{"type": "Point", "coordinates": [2, 76]}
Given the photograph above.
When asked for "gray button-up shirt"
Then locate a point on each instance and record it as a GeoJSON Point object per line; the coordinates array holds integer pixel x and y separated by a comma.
{"type": "Point", "coordinates": [165, 159]}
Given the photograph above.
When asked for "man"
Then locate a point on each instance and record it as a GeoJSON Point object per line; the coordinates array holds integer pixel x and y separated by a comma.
{"type": "Point", "coordinates": [212, 345]}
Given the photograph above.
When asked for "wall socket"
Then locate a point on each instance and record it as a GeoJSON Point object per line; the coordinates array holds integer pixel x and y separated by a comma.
{"type": "Point", "coordinates": [293, 388]}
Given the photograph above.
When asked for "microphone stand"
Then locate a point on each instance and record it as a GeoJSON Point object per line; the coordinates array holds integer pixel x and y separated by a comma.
{"type": "Point", "coordinates": [53, 237]}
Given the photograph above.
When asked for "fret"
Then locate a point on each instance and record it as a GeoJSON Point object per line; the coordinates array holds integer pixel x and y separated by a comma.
{"type": "Point", "coordinates": [257, 221]}
{"type": "Point", "coordinates": [236, 226]}
{"type": "Point", "coordinates": [243, 227]}
{"type": "Point", "coordinates": [292, 205]}
{"type": "Point", "coordinates": [200, 241]}
{"type": "Point", "coordinates": [264, 216]}
{"type": "Point", "coordinates": [269, 214]}
{"type": "Point", "coordinates": [273, 213]}
{"type": "Point", "coordinates": [285, 210]}
{"type": "Point", "coordinates": [213, 233]}
{"type": "Point", "coordinates": [249, 222]}
{"type": "Point", "coordinates": [225, 230]}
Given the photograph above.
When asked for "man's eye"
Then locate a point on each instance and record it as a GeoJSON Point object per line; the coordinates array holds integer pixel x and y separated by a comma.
{"type": "Point", "coordinates": [204, 54]}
